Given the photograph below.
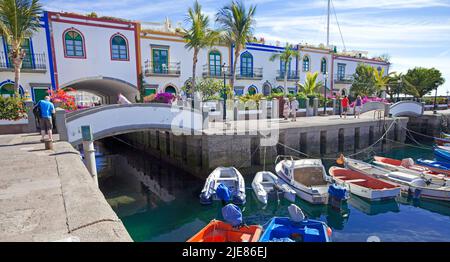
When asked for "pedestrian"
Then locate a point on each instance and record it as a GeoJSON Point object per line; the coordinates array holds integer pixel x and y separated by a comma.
{"type": "Point", "coordinates": [358, 105]}
{"type": "Point", "coordinates": [345, 103]}
{"type": "Point", "coordinates": [339, 106]}
{"type": "Point", "coordinates": [294, 107]}
{"type": "Point", "coordinates": [47, 109]}
{"type": "Point", "coordinates": [286, 108]}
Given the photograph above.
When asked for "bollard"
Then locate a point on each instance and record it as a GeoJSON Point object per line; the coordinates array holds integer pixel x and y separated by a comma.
{"type": "Point", "coordinates": [89, 152]}
{"type": "Point", "coordinates": [48, 144]}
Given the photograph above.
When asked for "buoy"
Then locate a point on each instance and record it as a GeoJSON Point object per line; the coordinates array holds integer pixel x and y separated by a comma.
{"type": "Point", "coordinates": [340, 160]}
{"type": "Point", "coordinates": [329, 231]}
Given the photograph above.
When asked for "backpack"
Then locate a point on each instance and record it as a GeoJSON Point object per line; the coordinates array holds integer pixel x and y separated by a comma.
{"type": "Point", "coordinates": [37, 110]}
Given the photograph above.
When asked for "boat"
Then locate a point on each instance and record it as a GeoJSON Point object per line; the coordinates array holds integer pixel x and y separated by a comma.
{"type": "Point", "coordinates": [442, 141]}
{"type": "Point", "coordinates": [410, 184]}
{"type": "Point", "coordinates": [266, 182]}
{"type": "Point", "coordinates": [445, 148]}
{"type": "Point", "coordinates": [408, 166]}
{"type": "Point", "coordinates": [436, 166]}
{"type": "Point", "coordinates": [364, 186]}
{"type": "Point", "coordinates": [442, 155]}
{"type": "Point", "coordinates": [300, 229]}
{"type": "Point", "coordinates": [224, 179]}
{"type": "Point", "coordinates": [306, 176]}
{"type": "Point", "coordinates": [218, 231]}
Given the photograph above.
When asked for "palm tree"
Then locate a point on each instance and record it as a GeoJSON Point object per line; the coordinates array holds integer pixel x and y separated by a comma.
{"type": "Point", "coordinates": [394, 85]}
{"type": "Point", "coordinates": [237, 24]}
{"type": "Point", "coordinates": [19, 19]}
{"type": "Point", "coordinates": [311, 85]}
{"type": "Point", "coordinates": [381, 80]}
{"type": "Point", "coordinates": [286, 57]}
{"type": "Point", "coordinates": [198, 36]}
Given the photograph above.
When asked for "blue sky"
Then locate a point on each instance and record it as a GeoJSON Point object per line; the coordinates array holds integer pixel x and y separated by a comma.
{"type": "Point", "coordinates": [412, 32]}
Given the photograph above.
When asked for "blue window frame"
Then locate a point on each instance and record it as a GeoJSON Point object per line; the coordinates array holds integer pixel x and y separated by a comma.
{"type": "Point", "coordinates": [215, 63]}
{"type": "Point", "coordinates": [238, 91]}
{"type": "Point", "coordinates": [246, 64]}
{"type": "Point", "coordinates": [341, 71]}
{"type": "Point", "coordinates": [252, 90]}
{"type": "Point", "coordinates": [119, 48]}
{"type": "Point", "coordinates": [282, 69]}
{"type": "Point", "coordinates": [306, 64]}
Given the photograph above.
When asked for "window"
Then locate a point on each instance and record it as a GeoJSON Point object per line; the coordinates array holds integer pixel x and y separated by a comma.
{"type": "Point", "coordinates": [379, 69]}
{"type": "Point", "coordinates": [341, 71]}
{"type": "Point", "coordinates": [246, 65]}
{"type": "Point", "coordinates": [74, 45]}
{"type": "Point", "coordinates": [119, 48]}
{"type": "Point", "coordinates": [170, 89]}
{"type": "Point", "coordinates": [149, 91]}
{"type": "Point", "coordinates": [238, 91]}
{"type": "Point", "coordinates": [27, 62]}
{"type": "Point", "coordinates": [160, 60]}
{"type": "Point", "coordinates": [323, 65]}
{"type": "Point", "coordinates": [252, 90]}
{"type": "Point", "coordinates": [282, 69]}
{"type": "Point", "coordinates": [306, 63]}
{"type": "Point", "coordinates": [215, 61]}
{"type": "Point", "coordinates": [7, 90]}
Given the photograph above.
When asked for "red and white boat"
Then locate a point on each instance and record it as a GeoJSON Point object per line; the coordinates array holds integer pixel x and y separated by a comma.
{"type": "Point", "coordinates": [408, 166]}
{"type": "Point", "coordinates": [364, 186]}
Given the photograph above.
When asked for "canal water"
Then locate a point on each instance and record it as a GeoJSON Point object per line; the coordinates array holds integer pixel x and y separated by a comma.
{"type": "Point", "coordinates": [159, 202]}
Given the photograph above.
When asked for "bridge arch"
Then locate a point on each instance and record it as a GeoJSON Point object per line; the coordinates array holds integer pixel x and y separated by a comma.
{"type": "Point", "coordinates": [107, 88]}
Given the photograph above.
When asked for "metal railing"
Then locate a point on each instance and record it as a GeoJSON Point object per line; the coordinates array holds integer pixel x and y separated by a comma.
{"type": "Point", "coordinates": [218, 71]}
{"type": "Point", "coordinates": [36, 61]}
{"type": "Point", "coordinates": [343, 78]}
{"type": "Point", "coordinates": [291, 75]}
{"type": "Point", "coordinates": [171, 68]}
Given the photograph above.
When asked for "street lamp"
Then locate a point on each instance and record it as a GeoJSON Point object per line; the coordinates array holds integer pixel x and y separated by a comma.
{"type": "Point", "coordinates": [435, 99]}
{"type": "Point", "coordinates": [224, 93]}
{"type": "Point", "coordinates": [325, 76]}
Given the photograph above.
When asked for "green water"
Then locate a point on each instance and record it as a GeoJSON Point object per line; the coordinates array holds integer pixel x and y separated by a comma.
{"type": "Point", "coordinates": [159, 202]}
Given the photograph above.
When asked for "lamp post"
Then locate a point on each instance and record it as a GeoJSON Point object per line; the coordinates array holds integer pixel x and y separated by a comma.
{"type": "Point", "coordinates": [435, 99]}
{"type": "Point", "coordinates": [224, 93]}
{"type": "Point", "coordinates": [325, 76]}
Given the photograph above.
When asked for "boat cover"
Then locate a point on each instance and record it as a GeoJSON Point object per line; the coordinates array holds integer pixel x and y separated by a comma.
{"type": "Point", "coordinates": [232, 215]}
{"type": "Point", "coordinates": [223, 193]}
{"type": "Point", "coordinates": [296, 213]}
{"type": "Point", "coordinates": [338, 192]}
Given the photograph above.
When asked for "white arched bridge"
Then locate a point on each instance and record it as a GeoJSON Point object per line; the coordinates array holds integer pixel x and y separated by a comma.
{"type": "Point", "coordinates": [113, 120]}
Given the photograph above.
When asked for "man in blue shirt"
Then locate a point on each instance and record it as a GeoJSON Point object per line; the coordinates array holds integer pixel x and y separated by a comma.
{"type": "Point", "coordinates": [46, 110]}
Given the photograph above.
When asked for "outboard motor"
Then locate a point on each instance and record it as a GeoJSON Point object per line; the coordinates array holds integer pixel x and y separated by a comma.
{"type": "Point", "coordinates": [337, 196]}
{"type": "Point", "coordinates": [232, 214]}
{"type": "Point", "coordinates": [223, 193]}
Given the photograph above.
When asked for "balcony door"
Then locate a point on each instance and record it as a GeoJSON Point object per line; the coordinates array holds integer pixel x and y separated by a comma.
{"type": "Point", "coordinates": [27, 62]}
{"type": "Point", "coordinates": [215, 66]}
{"type": "Point", "coordinates": [160, 61]}
{"type": "Point", "coordinates": [246, 65]}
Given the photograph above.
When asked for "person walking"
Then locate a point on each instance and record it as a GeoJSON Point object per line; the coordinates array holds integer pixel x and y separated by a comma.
{"type": "Point", "coordinates": [358, 105]}
{"type": "Point", "coordinates": [294, 107]}
{"type": "Point", "coordinates": [47, 109]}
{"type": "Point", "coordinates": [339, 106]}
{"type": "Point", "coordinates": [286, 108]}
{"type": "Point", "coordinates": [345, 103]}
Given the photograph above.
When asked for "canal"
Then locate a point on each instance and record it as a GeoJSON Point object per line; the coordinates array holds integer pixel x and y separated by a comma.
{"type": "Point", "coordinates": [159, 202]}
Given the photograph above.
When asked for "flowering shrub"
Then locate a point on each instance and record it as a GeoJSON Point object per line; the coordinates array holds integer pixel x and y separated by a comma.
{"type": "Point", "coordinates": [61, 97]}
{"type": "Point", "coordinates": [12, 108]}
{"type": "Point", "coordinates": [165, 98]}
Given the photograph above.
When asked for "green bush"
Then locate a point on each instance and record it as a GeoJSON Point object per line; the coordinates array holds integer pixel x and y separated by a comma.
{"type": "Point", "coordinates": [12, 108]}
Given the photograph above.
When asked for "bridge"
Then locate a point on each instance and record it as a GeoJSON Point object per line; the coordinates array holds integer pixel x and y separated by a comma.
{"type": "Point", "coordinates": [110, 120]}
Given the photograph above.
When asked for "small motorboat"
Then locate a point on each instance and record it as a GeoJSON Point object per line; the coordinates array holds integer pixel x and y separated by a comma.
{"type": "Point", "coordinates": [364, 186]}
{"type": "Point", "coordinates": [233, 230]}
{"type": "Point", "coordinates": [442, 141]}
{"type": "Point", "coordinates": [407, 166]}
{"type": "Point", "coordinates": [436, 166]}
{"type": "Point", "coordinates": [227, 180]}
{"type": "Point", "coordinates": [441, 154]}
{"type": "Point", "coordinates": [410, 184]}
{"type": "Point", "coordinates": [306, 176]}
{"type": "Point", "coordinates": [266, 182]}
{"type": "Point", "coordinates": [296, 229]}
{"type": "Point", "coordinates": [445, 148]}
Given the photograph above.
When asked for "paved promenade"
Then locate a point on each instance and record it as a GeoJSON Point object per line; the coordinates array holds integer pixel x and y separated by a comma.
{"type": "Point", "coordinates": [50, 196]}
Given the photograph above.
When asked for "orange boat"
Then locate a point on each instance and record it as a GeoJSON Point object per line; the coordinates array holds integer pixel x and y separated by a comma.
{"type": "Point", "coordinates": [218, 231]}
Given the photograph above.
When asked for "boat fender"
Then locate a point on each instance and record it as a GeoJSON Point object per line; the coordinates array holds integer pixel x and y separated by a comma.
{"type": "Point", "coordinates": [329, 231]}
{"type": "Point", "coordinates": [223, 193]}
{"type": "Point", "coordinates": [232, 214]}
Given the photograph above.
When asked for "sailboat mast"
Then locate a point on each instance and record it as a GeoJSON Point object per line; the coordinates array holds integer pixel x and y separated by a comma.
{"type": "Point", "coordinates": [328, 24]}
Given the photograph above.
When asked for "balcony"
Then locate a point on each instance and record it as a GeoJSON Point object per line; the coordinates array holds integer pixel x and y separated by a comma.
{"type": "Point", "coordinates": [343, 79]}
{"type": "Point", "coordinates": [32, 63]}
{"type": "Point", "coordinates": [292, 75]}
{"type": "Point", "coordinates": [216, 71]}
{"type": "Point", "coordinates": [172, 69]}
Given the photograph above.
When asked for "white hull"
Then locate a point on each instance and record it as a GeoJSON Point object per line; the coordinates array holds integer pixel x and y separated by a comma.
{"type": "Point", "coordinates": [368, 193]}
{"type": "Point", "coordinates": [266, 182]}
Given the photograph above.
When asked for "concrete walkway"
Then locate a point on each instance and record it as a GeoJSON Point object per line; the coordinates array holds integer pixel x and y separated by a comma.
{"type": "Point", "coordinates": [50, 195]}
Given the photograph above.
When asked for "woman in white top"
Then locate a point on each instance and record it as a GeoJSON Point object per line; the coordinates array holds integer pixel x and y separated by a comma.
{"type": "Point", "coordinates": [294, 107]}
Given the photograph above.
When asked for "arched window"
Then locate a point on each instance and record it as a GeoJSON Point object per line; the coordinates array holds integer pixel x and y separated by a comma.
{"type": "Point", "coordinates": [306, 64]}
{"type": "Point", "coordinates": [323, 65]}
{"type": "Point", "coordinates": [247, 65]}
{"type": "Point", "coordinates": [74, 44]}
{"type": "Point", "coordinates": [7, 90]}
{"type": "Point", "coordinates": [252, 90]}
{"type": "Point", "coordinates": [279, 89]}
{"type": "Point", "coordinates": [267, 89]}
{"type": "Point", "coordinates": [215, 63]}
{"type": "Point", "coordinates": [170, 89]}
{"type": "Point", "coordinates": [119, 48]}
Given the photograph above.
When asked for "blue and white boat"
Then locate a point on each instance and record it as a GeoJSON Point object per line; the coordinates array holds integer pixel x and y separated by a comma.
{"type": "Point", "coordinates": [435, 166]}
{"type": "Point", "coordinates": [441, 154]}
{"type": "Point", "coordinates": [296, 229]}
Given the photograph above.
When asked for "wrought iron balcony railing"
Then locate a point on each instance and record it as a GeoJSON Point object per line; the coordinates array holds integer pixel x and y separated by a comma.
{"type": "Point", "coordinates": [158, 69]}
{"type": "Point", "coordinates": [344, 79]}
{"type": "Point", "coordinates": [31, 62]}
{"type": "Point", "coordinates": [291, 75]}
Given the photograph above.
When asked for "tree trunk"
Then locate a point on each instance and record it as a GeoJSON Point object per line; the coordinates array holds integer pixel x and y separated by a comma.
{"type": "Point", "coordinates": [233, 73]}
{"type": "Point", "coordinates": [17, 61]}
{"type": "Point", "coordinates": [194, 66]}
{"type": "Point", "coordinates": [285, 79]}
